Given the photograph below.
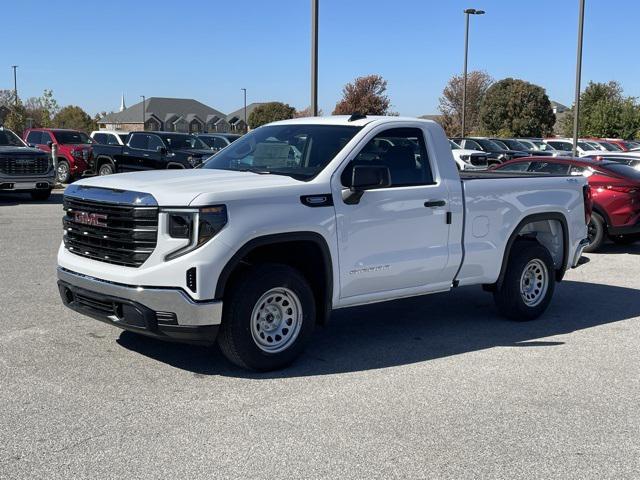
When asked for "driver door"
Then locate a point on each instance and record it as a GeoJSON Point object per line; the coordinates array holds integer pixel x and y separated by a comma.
{"type": "Point", "coordinates": [395, 239]}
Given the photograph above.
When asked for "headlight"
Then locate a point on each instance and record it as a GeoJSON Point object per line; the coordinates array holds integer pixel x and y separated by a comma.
{"type": "Point", "coordinates": [464, 157]}
{"type": "Point", "coordinates": [198, 225]}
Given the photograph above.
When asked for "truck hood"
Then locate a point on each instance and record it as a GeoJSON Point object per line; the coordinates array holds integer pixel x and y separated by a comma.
{"type": "Point", "coordinates": [181, 187]}
{"type": "Point", "coordinates": [22, 151]}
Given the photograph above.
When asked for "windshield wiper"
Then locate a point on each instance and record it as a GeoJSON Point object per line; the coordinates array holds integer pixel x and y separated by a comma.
{"type": "Point", "coordinates": [257, 170]}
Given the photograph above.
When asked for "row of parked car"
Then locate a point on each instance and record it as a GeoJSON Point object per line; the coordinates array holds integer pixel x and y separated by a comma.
{"type": "Point", "coordinates": [611, 165]}
{"type": "Point", "coordinates": [476, 153]}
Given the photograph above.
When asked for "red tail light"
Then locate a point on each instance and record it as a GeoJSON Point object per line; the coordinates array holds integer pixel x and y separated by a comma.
{"type": "Point", "coordinates": [588, 203]}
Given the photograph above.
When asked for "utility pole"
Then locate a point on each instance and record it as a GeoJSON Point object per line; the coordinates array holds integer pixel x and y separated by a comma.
{"type": "Point", "coordinates": [15, 84]}
{"type": "Point", "coordinates": [246, 125]}
{"type": "Point", "coordinates": [144, 117]}
{"type": "Point", "coordinates": [467, 12]}
{"type": "Point", "coordinates": [576, 107]}
{"type": "Point", "coordinates": [314, 57]}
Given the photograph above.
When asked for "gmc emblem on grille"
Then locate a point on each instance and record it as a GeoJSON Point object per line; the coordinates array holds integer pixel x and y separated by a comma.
{"type": "Point", "coordinates": [91, 219]}
{"type": "Point", "coordinates": [25, 161]}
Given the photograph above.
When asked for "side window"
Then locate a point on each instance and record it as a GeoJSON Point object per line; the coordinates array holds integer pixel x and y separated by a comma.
{"type": "Point", "coordinates": [219, 143]}
{"type": "Point", "coordinates": [138, 140]}
{"type": "Point", "coordinates": [402, 151]}
{"type": "Point", "coordinates": [471, 145]}
{"type": "Point", "coordinates": [111, 139]}
{"type": "Point", "coordinates": [576, 170]}
{"type": "Point", "coordinates": [34, 138]}
{"type": "Point", "coordinates": [46, 138]}
{"type": "Point", "coordinates": [154, 143]}
{"type": "Point", "coordinates": [100, 138]}
{"type": "Point", "coordinates": [550, 168]}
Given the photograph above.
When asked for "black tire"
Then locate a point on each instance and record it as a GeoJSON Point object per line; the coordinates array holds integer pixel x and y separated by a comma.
{"type": "Point", "coordinates": [106, 168]}
{"type": "Point", "coordinates": [237, 332]}
{"type": "Point", "coordinates": [624, 239]}
{"type": "Point", "coordinates": [509, 298]}
{"type": "Point", "coordinates": [41, 194]}
{"type": "Point", "coordinates": [596, 232]}
{"type": "Point", "coordinates": [63, 172]}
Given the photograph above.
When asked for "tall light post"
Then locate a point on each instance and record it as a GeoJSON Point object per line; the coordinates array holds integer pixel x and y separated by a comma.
{"type": "Point", "coordinates": [314, 57]}
{"type": "Point", "coordinates": [576, 107]}
{"type": "Point", "coordinates": [246, 125]}
{"type": "Point", "coordinates": [15, 84]}
{"type": "Point", "coordinates": [144, 117]}
{"type": "Point", "coordinates": [467, 12]}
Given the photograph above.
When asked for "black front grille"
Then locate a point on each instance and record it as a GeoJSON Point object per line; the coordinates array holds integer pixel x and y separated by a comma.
{"type": "Point", "coordinates": [111, 233]}
{"type": "Point", "coordinates": [24, 165]}
{"type": "Point", "coordinates": [479, 160]}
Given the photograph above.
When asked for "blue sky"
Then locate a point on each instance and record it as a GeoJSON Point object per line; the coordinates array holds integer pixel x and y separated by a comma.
{"type": "Point", "coordinates": [90, 52]}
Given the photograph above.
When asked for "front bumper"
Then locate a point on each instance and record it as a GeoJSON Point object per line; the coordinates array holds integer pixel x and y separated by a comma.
{"type": "Point", "coordinates": [164, 313]}
{"type": "Point", "coordinates": [27, 182]}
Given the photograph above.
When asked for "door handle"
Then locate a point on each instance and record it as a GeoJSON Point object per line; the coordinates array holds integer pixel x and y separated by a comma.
{"type": "Point", "coordinates": [145, 154]}
{"type": "Point", "coordinates": [434, 203]}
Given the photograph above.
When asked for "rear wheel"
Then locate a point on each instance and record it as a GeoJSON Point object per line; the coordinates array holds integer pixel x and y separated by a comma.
{"type": "Point", "coordinates": [595, 233]}
{"type": "Point", "coordinates": [268, 317]}
{"type": "Point", "coordinates": [528, 283]}
{"type": "Point", "coordinates": [63, 172]}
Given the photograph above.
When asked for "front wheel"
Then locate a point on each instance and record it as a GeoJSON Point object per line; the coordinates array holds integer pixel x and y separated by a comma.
{"type": "Point", "coordinates": [528, 283]}
{"type": "Point", "coordinates": [268, 317]}
{"type": "Point", "coordinates": [63, 172]}
{"type": "Point", "coordinates": [105, 169]}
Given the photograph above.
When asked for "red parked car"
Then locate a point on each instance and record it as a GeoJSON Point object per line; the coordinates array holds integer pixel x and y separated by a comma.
{"type": "Point", "coordinates": [615, 190]}
{"type": "Point", "coordinates": [74, 150]}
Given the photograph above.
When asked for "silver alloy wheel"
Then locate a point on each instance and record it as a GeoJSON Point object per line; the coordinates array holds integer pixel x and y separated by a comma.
{"type": "Point", "coordinates": [63, 171]}
{"type": "Point", "coordinates": [105, 169]}
{"type": "Point", "coordinates": [534, 282]}
{"type": "Point", "coordinates": [276, 320]}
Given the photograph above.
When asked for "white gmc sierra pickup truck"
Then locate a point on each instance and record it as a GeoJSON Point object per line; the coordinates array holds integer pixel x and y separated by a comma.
{"type": "Point", "coordinates": [303, 216]}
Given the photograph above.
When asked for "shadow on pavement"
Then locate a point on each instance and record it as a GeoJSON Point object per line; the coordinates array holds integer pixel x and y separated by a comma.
{"type": "Point", "coordinates": [612, 248]}
{"type": "Point", "coordinates": [11, 199]}
{"type": "Point", "coordinates": [416, 330]}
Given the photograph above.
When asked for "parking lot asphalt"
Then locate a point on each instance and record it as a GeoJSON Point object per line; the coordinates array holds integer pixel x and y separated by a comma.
{"type": "Point", "coordinates": [432, 387]}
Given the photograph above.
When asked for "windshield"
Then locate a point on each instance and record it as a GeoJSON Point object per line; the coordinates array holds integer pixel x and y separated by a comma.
{"type": "Point", "coordinates": [299, 151]}
{"type": "Point", "coordinates": [10, 139]}
{"type": "Point", "coordinates": [454, 145]}
{"type": "Point", "coordinates": [611, 147]}
{"type": "Point", "coordinates": [123, 137]}
{"type": "Point", "coordinates": [72, 138]}
{"type": "Point", "coordinates": [489, 145]}
{"type": "Point", "coordinates": [586, 146]}
{"type": "Point", "coordinates": [184, 141]}
{"type": "Point", "coordinates": [541, 145]}
{"type": "Point", "coordinates": [514, 145]}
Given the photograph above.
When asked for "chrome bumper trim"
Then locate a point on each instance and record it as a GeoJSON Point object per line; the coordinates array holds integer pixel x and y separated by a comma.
{"type": "Point", "coordinates": [188, 311]}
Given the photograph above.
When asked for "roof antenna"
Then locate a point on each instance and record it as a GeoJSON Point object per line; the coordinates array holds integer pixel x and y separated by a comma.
{"type": "Point", "coordinates": [356, 116]}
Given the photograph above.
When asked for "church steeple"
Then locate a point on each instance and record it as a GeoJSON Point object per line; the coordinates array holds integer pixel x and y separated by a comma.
{"type": "Point", "coordinates": [122, 105]}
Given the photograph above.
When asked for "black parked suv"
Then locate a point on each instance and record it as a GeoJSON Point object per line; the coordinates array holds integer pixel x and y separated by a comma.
{"type": "Point", "coordinates": [495, 153]}
{"type": "Point", "coordinates": [151, 151]}
{"type": "Point", "coordinates": [24, 169]}
{"type": "Point", "coordinates": [513, 144]}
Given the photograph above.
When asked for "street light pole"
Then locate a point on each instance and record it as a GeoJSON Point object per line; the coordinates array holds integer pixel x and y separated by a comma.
{"type": "Point", "coordinates": [576, 107]}
{"type": "Point", "coordinates": [246, 125]}
{"type": "Point", "coordinates": [314, 57]}
{"type": "Point", "coordinates": [144, 117]}
{"type": "Point", "coordinates": [467, 12]}
{"type": "Point", "coordinates": [15, 84]}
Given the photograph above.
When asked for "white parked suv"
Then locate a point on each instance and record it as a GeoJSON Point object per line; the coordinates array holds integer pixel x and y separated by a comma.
{"type": "Point", "coordinates": [468, 159]}
{"type": "Point", "coordinates": [301, 217]}
{"type": "Point", "coordinates": [566, 145]}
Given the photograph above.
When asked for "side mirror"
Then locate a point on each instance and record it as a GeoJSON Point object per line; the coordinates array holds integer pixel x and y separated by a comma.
{"type": "Point", "coordinates": [363, 178]}
{"type": "Point", "coordinates": [49, 144]}
{"type": "Point", "coordinates": [162, 150]}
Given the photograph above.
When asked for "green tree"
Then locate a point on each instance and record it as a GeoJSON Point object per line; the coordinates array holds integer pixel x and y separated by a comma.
{"type": "Point", "coordinates": [75, 118]}
{"type": "Point", "coordinates": [451, 102]}
{"type": "Point", "coordinates": [366, 95]}
{"type": "Point", "coordinates": [41, 110]}
{"type": "Point", "coordinates": [513, 107]}
{"type": "Point", "coordinates": [605, 112]}
{"type": "Point", "coordinates": [270, 112]}
{"type": "Point", "coordinates": [16, 117]}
